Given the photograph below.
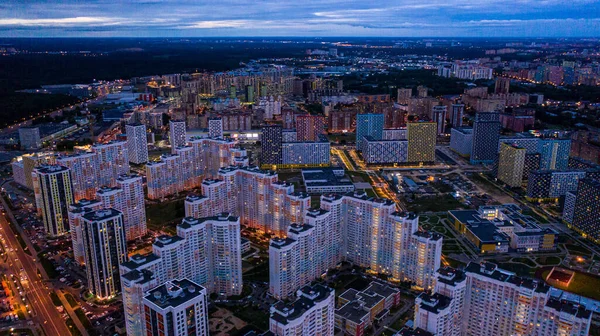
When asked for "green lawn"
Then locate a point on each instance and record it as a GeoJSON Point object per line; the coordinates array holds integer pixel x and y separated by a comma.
{"type": "Point", "coordinates": [525, 261]}
{"type": "Point", "coordinates": [160, 214]}
{"type": "Point", "coordinates": [48, 267]}
{"type": "Point", "coordinates": [576, 249]}
{"type": "Point", "coordinates": [251, 315]}
{"type": "Point", "coordinates": [436, 203]}
{"type": "Point", "coordinates": [72, 302]}
{"type": "Point", "coordinates": [582, 284]}
{"type": "Point", "coordinates": [83, 319]}
{"type": "Point", "coordinates": [549, 260]}
{"type": "Point", "coordinates": [55, 299]}
{"type": "Point", "coordinates": [519, 269]}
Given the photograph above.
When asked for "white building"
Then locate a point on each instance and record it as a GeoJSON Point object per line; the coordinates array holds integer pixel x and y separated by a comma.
{"type": "Point", "coordinates": [84, 173]}
{"type": "Point", "coordinates": [177, 134]}
{"type": "Point", "coordinates": [105, 249]}
{"type": "Point", "coordinates": [53, 191]}
{"type": "Point", "coordinates": [137, 143]}
{"type": "Point", "coordinates": [113, 161]}
{"type": "Point", "coordinates": [486, 300]}
{"type": "Point", "coordinates": [313, 313]}
{"type": "Point", "coordinates": [384, 151]}
{"type": "Point", "coordinates": [196, 206]}
{"type": "Point", "coordinates": [76, 211]}
{"type": "Point", "coordinates": [134, 210]}
{"type": "Point", "coordinates": [177, 308]}
{"type": "Point", "coordinates": [205, 250]}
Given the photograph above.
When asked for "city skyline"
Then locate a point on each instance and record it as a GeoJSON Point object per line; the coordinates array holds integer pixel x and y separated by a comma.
{"type": "Point", "coordinates": [152, 18]}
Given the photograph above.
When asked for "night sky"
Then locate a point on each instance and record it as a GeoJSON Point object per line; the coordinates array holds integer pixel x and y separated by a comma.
{"type": "Point", "coordinates": [197, 18]}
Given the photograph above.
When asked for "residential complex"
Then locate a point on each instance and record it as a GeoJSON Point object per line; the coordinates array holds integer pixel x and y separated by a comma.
{"type": "Point", "coordinates": [511, 163]}
{"type": "Point", "coordinates": [177, 134]}
{"type": "Point", "coordinates": [486, 132]}
{"type": "Point", "coordinates": [486, 300]}
{"type": "Point", "coordinates": [311, 314]}
{"type": "Point", "coordinates": [205, 250]}
{"type": "Point", "coordinates": [371, 235]}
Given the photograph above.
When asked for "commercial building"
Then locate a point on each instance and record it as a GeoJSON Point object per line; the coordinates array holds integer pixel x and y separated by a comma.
{"type": "Point", "coordinates": [357, 310]}
{"type": "Point", "coordinates": [104, 249]}
{"type": "Point", "coordinates": [486, 300]}
{"type": "Point", "coordinates": [29, 138]}
{"type": "Point", "coordinates": [486, 133]}
{"type": "Point", "coordinates": [326, 180]}
{"type": "Point", "coordinates": [137, 143]}
{"type": "Point", "coordinates": [495, 229]}
{"type": "Point", "coordinates": [461, 140]}
{"type": "Point", "coordinates": [178, 308]}
{"type": "Point", "coordinates": [311, 314]}
{"type": "Point", "coordinates": [511, 163]}
{"type": "Point", "coordinates": [177, 134]}
{"type": "Point", "coordinates": [53, 191]}
{"type": "Point", "coordinates": [421, 141]}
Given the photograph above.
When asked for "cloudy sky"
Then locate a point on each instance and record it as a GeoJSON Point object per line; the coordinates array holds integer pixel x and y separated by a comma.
{"type": "Point", "coordinates": [403, 18]}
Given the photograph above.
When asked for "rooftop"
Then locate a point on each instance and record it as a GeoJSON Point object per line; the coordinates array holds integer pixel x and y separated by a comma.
{"type": "Point", "coordinates": [174, 293]}
{"type": "Point", "coordinates": [307, 297]}
{"type": "Point", "coordinates": [102, 214]}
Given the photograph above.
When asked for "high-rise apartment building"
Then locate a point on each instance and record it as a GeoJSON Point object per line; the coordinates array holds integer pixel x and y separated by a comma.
{"type": "Point", "coordinates": [215, 127]}
{"type": "Point", "coordinates": [587, 208]}
{"type": "Point", "coordinates": [404, 96]}
{"type": "Point", "coordinates": [134, 210]}
{"type": "Point", "coordinates": [511, 162]}
{"type": "Point", "coordinates": [421, 137]}
{"type": "Point", "coordinates": [84, 173]}
{"type": "Point", "coordinates": [502, 85]}
{"type": "Point", "coordinates": [457, 112]}
{"type": "Point", "coordinates": [164, 176]}
{"type": "Point", "coordinates": [438, 116]}
{"type": "Point", "coordinates": [368, 124]}
{"type": "Point", "coordinates": [370, 234]}
{"type": "Point", "coordinates": [177, 307]}
{"type": "Point", "coordinates": [205, 250]}
{"type": "Point", "coordinates": [137, 143]}
{"type": "Point", "coordinates": [486, 300]}
{"type": "Point", "coordinates": [53, 191]}
{"type": "Point", "coordinates": [177, 134]}
{"type": "Point", "coordinates": [261, 200]}
{"type": "Point", "coordinates": [104, 249]}
{"type": "Point", "coordinates": [309, 127]}
{"type": "Point", "coordinates": [486, 133]}
{"type": "Point", "coordinates": [554, 153]}
{"type": "Point", "coordinates": [29, 138]}
{"type": "Point", "coordinates": [113, 161]}
{"type": "Point", "coordinates": [548, 184]}
{"type": "Point", "coordinates": [271, 146]}
{"type": "Point", "coordinates": [197, 206]}
{"type": "Point", "coordinates": [76, 211]}
{"type": "Point", "coordinates": [313, 313]}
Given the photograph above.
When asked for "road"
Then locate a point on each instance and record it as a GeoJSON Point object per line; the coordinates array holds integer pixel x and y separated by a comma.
{"type": "Point", "coordinates": [36, 290]}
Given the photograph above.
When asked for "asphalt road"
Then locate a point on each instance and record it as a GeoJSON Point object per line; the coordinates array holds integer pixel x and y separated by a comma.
{"type": "Point", "coordinates": [38, 296]}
